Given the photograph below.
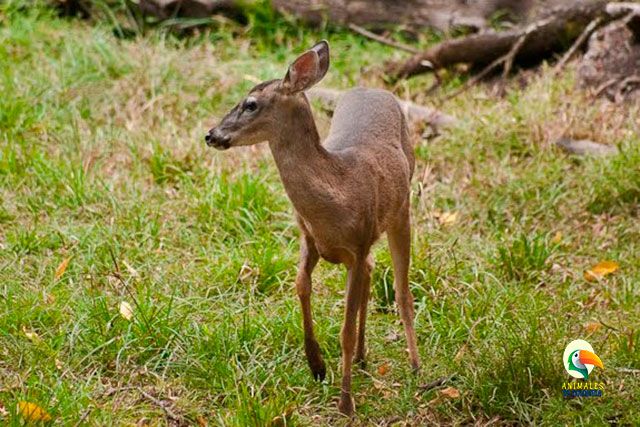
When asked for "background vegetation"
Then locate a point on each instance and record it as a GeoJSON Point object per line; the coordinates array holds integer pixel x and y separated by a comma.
{"type": "Point", "coordinates": [109, 195]}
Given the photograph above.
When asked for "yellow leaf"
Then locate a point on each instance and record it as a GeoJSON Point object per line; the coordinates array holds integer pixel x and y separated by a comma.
{"type": "Point", "coordinates": [245, 272]}
{"type": "Point", "coordinates": [32, 412]}
{"type": "Point", "coordinates": [383, 369]}
{"type": "Point", "coordinates": [448, 218]}
{"type": "Point", "coordinates": [450, 392]}
{"type": "Point", "coordinates": [557, 238]}
{"type": "Point", "coordinates": [591, 327]}
{"type": "Point", "coordinates": [126, 311]}
{"type": "Point", "coordinates": [32, 336]}
{"type": "Point", "coordinates": [62, 267]}
{"type": "Point", "coordinates": [600, 270]}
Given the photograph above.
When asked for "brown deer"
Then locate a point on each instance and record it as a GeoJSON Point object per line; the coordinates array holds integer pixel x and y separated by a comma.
{"type": "Point", "coordinates": [346, 191]}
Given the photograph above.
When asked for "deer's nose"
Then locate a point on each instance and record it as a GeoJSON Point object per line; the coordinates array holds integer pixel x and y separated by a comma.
{"type": "Point", "coordinates": [217, 139]}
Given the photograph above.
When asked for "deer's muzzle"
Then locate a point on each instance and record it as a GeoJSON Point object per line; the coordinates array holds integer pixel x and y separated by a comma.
{"type": "Point", "coordinates": [217, 139]}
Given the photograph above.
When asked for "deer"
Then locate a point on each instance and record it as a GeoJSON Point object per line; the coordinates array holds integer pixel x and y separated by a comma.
{"type": "Point", "coordinates": [346, 192]}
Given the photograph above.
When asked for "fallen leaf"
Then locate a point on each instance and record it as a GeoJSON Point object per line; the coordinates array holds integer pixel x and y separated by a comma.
{"type": "Point", "coordinates": [557, 238]}
{"type": "Point", "coordinates": [600, 270]}
{"type": "Point", "coordinates": [202, 422]}
{"type": "Point", "coordinates": [383, 369]}
{"type": "Point", "coordinates": [591, 327]}
{"type": "Point", "coordinates": [3, 411]}
{"type": "Point", "coordinates": [32, 336]}
{"type": "Point", "coordinates": [59, 364]}
{"type": "Point", "coordinates": [32, 412]}
{"type": "Point", "coordinates": [62, 267]}
{"type": "Point", "coordinates": [448, 218]}
{"type": "Point", "coordinates": [126, 311]}
{"type": "Point", "coordinates": [245, 272]}
{"type": "Point", "coordinates": [450, 392]}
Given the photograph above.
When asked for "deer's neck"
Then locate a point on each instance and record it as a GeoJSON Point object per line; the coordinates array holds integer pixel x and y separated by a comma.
{"type": "Point", "coordinates": [309, 172]}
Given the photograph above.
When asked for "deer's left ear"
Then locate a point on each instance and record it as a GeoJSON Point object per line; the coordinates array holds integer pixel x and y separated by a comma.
{"type": "Point", "coordinates": [308, 69]}
{"type": "Point", "coordinates": [322, 49]}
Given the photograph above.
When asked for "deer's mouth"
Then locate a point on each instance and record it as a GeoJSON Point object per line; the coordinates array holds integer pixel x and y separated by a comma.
{"type": "Point", "coordinates": [217, 140]}
{"type": "Point", "coordinates": [221, 146]}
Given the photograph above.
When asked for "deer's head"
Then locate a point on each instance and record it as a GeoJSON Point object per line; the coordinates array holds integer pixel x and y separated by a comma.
{"type": "Point", "coordinates": [258, 117]}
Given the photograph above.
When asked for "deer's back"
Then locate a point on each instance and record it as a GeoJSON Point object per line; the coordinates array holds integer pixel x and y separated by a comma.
{"type": "Point", "coordinates": [370, 124]}
{"type": "Point", "coordinates": [364, 116]}
{"type": "Point", "coordinates": [369, 132]}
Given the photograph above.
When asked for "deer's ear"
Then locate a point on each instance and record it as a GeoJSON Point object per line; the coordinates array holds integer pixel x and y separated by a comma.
{"type": "Point", "coordinates": [308, 69]}
{"type": "Point", "coordinates": [322, 49]}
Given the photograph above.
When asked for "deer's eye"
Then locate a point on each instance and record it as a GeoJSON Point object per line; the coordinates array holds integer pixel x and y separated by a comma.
{"type": "Point", "coordinates": [250, 105]}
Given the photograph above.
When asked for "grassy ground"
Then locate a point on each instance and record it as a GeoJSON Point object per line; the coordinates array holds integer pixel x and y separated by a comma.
{"type": "Point", "coordinates": [102, 162]}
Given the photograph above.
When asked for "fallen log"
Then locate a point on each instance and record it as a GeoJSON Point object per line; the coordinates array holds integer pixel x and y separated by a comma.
{"type": "Point", "coordinates": [165, 9]}
{"type": "Point", "coordinates": [620, 8]}
{"type": "Point", "coordinates": [417, 14]}
{"type": "Point", "coordinates": [547, 35]}
{"type": "Point", "coordinates": [416, 114]}
{"type": "Point", "coordinates": [376, 13]}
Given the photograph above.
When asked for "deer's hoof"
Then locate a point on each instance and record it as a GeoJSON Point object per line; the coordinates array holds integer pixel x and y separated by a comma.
{"type": "Point", "coordinates": [345, 406]}
{"type": "Point", "coordinates": [314, 357]}
{"type": "Point", "coordinates": [415, 367]}
{"type": "Point", "coordinates": [319, 371]}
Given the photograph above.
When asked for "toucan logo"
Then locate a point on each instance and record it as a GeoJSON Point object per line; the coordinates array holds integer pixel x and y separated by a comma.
{"type": "Point", "coordinates": [579, 359]}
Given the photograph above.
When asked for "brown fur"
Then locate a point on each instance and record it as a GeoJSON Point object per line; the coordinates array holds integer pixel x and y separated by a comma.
{"type": "Point", "coordinates": [346, 192]}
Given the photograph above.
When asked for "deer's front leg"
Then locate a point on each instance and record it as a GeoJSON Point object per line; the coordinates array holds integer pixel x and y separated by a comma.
{"type": "Point", "coordinates": [308, 260]}
{"type": "Point", "coordinates": [362, 313]}
{"type": "Point", "coordinates": [355, 281]}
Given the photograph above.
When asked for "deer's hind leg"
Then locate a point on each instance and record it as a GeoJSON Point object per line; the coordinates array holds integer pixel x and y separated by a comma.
{"type": "Point", "coordinates": [356, 273]}
{"type": "Point", "coordinates": [399, 236]}
{"type": "Point", "coordinates": [308, 259]}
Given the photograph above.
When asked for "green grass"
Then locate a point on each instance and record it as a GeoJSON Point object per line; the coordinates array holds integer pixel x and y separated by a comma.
{"type": "Point", "coordinates": [102, 161]}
